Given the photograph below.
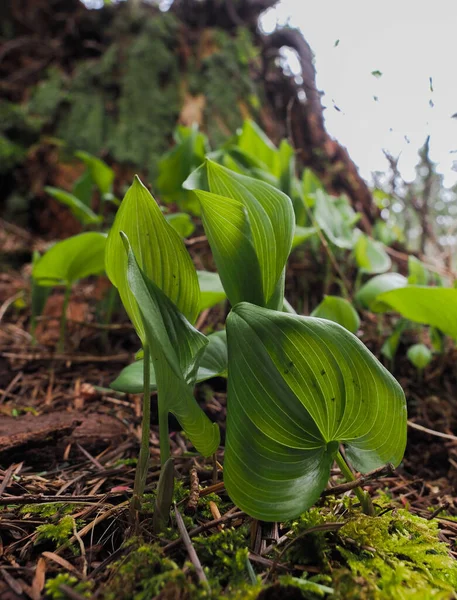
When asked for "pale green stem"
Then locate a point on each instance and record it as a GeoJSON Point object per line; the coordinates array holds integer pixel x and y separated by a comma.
{"type": "Point", "coordinates": [63, 319]}
{"type": "Point", "coordinates": [143, 460]}
{"type": "Point", "coordinates": [364, 498]}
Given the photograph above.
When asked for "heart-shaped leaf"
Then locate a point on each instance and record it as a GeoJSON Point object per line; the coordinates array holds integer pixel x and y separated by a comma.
{"type": "Point", "coordinates": [250, 227]}
{"type": "Point", "coordinates": [176, 349]}
{"type": "Point", "coordinates": [298, 387]}
{"type": "Point", "coordinates": [213, 363]}
{"type": "Point", "coordinates": [428, 305]}
{"type": "Point", "coordinates": [160, 252]}
{"type": "Point", "coordinates": [71, 259]}
{"type": "Point", "coordinates": [338, 310]}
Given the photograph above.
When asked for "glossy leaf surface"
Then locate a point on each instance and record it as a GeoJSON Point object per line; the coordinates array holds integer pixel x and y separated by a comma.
{"type": "Point", "coordinates": [176, 349]}
{"type": "Point", "coordinates": [339, 310]}
{"type": "Point", "coordinates": [298, 387]}
{"type": "Point", "coordinates": [213, 363]}
{"type": "Point", "coordinates": [249, 225]}
{"type": "Point", "coordinates": [160, 252]}
{"type": "Point", "coordinates": [72, 259]}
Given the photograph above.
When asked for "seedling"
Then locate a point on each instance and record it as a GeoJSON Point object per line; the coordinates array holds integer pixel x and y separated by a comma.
{"type": "Point", "coordinates": [420, 356]}
{"type": "Point", "coordinates": [148, 263]}
{"type": "Point", "coordinates": [63, 264]}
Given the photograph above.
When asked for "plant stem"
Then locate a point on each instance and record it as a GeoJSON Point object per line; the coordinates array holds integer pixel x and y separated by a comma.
{"type": "Point", "coordinates": [364, 498]}
{"type": "Point", "coordinates": [163, 433]}
{"type": "Point", "coordinates": [63, 319]}
{"type": "Point", "coordinates": [143, 460]}
{"type": "Point", "coordinates": [110, 304]}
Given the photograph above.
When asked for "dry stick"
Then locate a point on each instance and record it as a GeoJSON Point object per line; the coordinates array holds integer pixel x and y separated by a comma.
{"type": "Point", "coordinates": [42, 499]}
{"type": "Point", "coordinates": [66, 357]}
{"type": "Point", "coordinates": [350, 485]}
{"type": "Point", "coordinates": [190, 549]}
{"type": "Point", "coordinates": [446, 436]}
{"type": "Point", "coordinates": [191, 507]}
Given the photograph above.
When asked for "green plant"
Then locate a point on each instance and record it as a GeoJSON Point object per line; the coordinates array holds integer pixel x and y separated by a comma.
{"type": "Point", "coordinates": [147, 261]}
{"type": "Point", "coordinates": [338, 310]}
{"type": "Point", "coordinates": [62, 265]}
{"type": "Point", "coordinates": [420, 356]}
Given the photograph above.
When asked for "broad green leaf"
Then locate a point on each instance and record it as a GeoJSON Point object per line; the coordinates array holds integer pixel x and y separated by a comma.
{"type": "Point", "coordinates": [339, 310]}
{"type": "Point", "coordinates": [83, 213]}
{"type": "Point", "coordinates": [298, 387]}
{"type": "Point", "coordinates": [211, 289]}
{"type": "Point", "coordinates": [178, 163]}
{"type": "Point", "coordinates": [417, 273]}
{"type": "Point", "coordinates": [253, 141]}
{"type": "Point", "coordinates": [182, 223]}
{"type": "Point", "coordinates": [101, 173]}
{"type": "Point", "coordinates": [250, 226]}
{"type": "Point", "coordinates": [428, 305]}
{"type": "Point", "coordinates": [72, 259]}
{"type": "Point", "coordinates": [176, 349]}
{"type": "Point", "coordinates": [368, 294]}
{"type": "Point", "coordinates": [302, 234]}
{"type": "Point", "coordinates": [82, 188]}
{"type": "Point", "coordinates": [213, 364]}
{"type": "Point", "coordinates": [333, 220]}
{"type": "Point", "coordinates": [419, 355]}
{"type": "Point", "coordinates": [370, 255]}
{"type": "Point", "coordinates": [160, 252]}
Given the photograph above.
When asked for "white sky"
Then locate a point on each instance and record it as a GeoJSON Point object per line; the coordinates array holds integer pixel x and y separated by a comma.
{"type": "Point", "coordinates": [409, 41]}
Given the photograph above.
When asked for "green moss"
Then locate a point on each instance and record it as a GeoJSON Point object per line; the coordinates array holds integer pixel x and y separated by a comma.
{"type": "Point", "coordinates": [59, 533]}
{"type": "Point", "coordinates": [47, 95]}
{"type": "Point", "coordinates": [144, 573]}
{"type": "Point", "coordinates": [395, 555]}
{"type": "Point", "coordinates": [52, 588]}
{"type": "Point", "coordinates": [49, 509]}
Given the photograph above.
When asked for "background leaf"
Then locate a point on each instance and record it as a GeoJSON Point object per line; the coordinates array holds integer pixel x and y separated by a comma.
{"type": "Point", "coordinates": [298, 387]}
{"type": "Point", "coordinates": [100, 172]}
{"type": "Point", "coordinates": [211, 289]}
{"type": "Point", "coordinates": [213, 363]}
{"type": "Point", "coordinates": [428, 305]}
{"type": "Point", "coordinates": [370, 255]}
{"type": "Point", "coordinates": [368, 294]}
{"type": "Point", "coordinates": [339, 310]}
{"type": "Point", "coordinates": [71, 259]}
{"type": "Point", "coordinates": [81, 211]}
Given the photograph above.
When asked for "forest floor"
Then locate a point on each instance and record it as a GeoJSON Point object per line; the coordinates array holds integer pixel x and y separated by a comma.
{"type": "Point", "coordinates": [68, 448]}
